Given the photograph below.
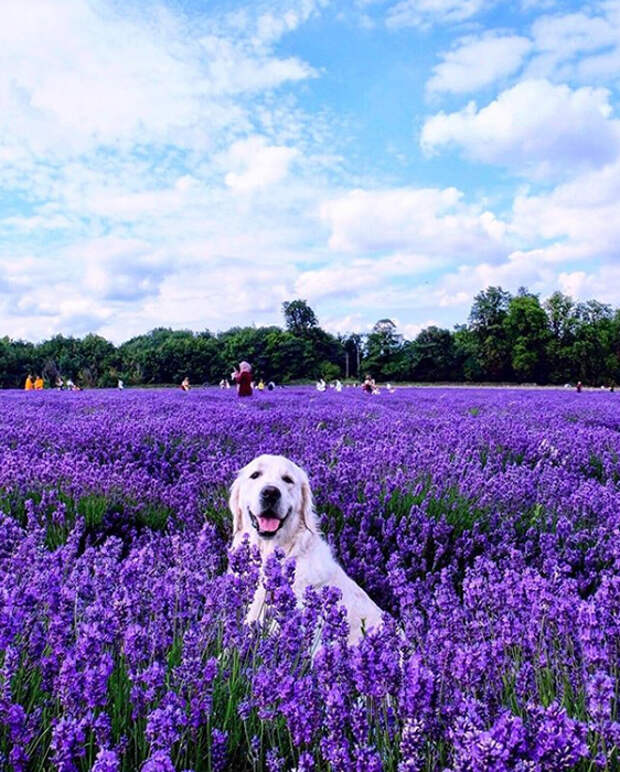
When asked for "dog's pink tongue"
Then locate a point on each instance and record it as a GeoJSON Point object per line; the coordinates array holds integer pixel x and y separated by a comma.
{"type": "Point", "coordinates": [269, 524]}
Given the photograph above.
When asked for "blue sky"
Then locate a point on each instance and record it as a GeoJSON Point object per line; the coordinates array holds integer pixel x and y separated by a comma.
{"type": "Point", "coordinates": [194, 164]}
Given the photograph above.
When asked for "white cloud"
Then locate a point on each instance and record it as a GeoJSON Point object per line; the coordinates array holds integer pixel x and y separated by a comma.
{"type": "Point", "coordinates": [577, 46]}
{"type": "Point", "coordinates": [421, 222]}
{"type": "Point", "coordinates": [273, 23]}
{"type": "Point", "coordinates": [535, 128]}
{"type": "Point", "coordinates": [578, 219]}
{"type": "Point", "coordinates": [77, 75]}
{"type": "Point", "coordinates": [572, 283]}
{"type": "Point", "coordinates": [127, 136]}
{"type": "Point", "coordinates": [573, 33]}
{"type": "Point", "coordinates": [456, 290]}
{"type": "Point", "coordinates": [461, 71]}
{"type": "Point", "coordinates": [411, 331]}
{"type": "Point", "coordinates": [571, 238]}
{"type": "Point", "coordinates": [572, 242]}
{"type": "Point", "coordinates": [165, 172]}
{"type": "Point", "coordinates": [347, 278]}
{"type": "Point", "coordinates": [602, 284]}
{"type": "Point", "coordinates": [581, 48]}
{"type": "Point", "coordinates": [424, 13]}
{"type": "Point", "coordinates": [343, 324]}
{"type": "Point", "coordinates": [217, 294]}
{"type": "Point", "coordinates": [335, 280]}
{"type": "Point", "coordinates": [257, 165]}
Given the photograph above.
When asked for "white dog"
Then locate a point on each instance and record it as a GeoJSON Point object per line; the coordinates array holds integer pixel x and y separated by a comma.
{"type": "Point", "coordinates": [272, 503]}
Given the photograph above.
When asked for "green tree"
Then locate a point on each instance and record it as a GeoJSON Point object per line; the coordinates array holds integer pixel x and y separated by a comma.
{"type": "Point", "coordinates": [562, 322]}
{"type": "Point", "coordinates": [486, 321]}
{"type": "Point", "coordinates": [299, 317]}
{"type": "Point", "coordinates": [206, 362]}
{"type": "Point", "coordinates": [467, 363]}
{"type": "Point", "coordinates": [60, 355]}
{"type": "Point", "coordinates": [326, 349]}
{"type": "Point", "coordinates": [592, 350]}
{"type": "Point", "coordinates": [99, 360]}
{"type": "Point", "coordinates": [290, 358]}
{"type": "Point", "coordinates": [433, 356]}
{"type": "Point", "coordinates": [528, 336]}
{"type": "Point", "coordinates": [251, 344]}
{"type": "Point", "coordinates": [384, 354]}
{"type": "Point", "coordinates": [506, 337]}
{"type": "Point", "coordinates": [153, 358]}
{"type": "Point", "coordinates": [17, 359]}
{"type": "Point", "coordinates": [614, 354]}
{"type": "Point", "coordinates": [353, 346]}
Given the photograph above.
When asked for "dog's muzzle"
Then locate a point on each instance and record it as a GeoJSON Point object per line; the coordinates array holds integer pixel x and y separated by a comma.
{"type": "Point", "coordinates": [268, 523]}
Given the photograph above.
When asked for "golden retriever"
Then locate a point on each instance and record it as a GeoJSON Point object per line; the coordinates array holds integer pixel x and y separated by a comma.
{"type": "Point", "coordinates": [272, 503]}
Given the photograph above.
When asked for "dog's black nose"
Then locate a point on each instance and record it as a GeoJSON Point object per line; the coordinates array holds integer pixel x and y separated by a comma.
{"type": "Point", "coordinates": [269, 495]}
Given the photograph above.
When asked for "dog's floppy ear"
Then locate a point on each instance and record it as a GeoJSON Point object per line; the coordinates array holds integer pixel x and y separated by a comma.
{"type": "Point", "coordinates": [233, 504]}
{"type": "Point", "coordinates": [308, 515]}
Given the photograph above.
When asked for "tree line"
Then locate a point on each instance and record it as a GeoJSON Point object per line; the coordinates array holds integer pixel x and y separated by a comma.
{"type": "Point", "coordinates": [507, 338]}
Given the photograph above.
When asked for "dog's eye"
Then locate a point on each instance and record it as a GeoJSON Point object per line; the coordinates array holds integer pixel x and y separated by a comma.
{"type": "Point", "coordinates": [287, 479]}
{"type": "Point", "coordinates": [254, 475]}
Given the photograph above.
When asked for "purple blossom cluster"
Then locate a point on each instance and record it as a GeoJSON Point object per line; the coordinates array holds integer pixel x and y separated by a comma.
{"type": "Point", "coordinates": [485, 522]}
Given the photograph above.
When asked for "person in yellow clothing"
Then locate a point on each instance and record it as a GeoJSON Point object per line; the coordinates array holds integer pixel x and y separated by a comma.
{"type": "Point", "coordinates": [38, 383]}
{"type": "Point", "coordinates": [261, 385]}
{"type": "Point", "coordinates": [29, 385]}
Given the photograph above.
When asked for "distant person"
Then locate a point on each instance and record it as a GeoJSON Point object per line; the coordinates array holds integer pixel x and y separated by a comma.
{"type": "Point", "coordinates": [29, 385]}
{"type": "Point", "coordinates": [321, 385]}
{"type": "Point", "coordinates": [368, 384]}
{"type": "Point", "coordinates": [58, 383]}
{"type": "Point", "coordinates": [338, 385]}
{"type": "Point", "coordinates": [390, 388]}
{"type": "Point", "coordinates": [579, 387]}
{"type": "Point", "coordinates": [223, 383]}
{"type": "Point", "coordinates": [243, 379]}
{"type": "Point", "coordinates": [261, 385]}
{"type": "Point", "coordinates": [185, 384]}
{"type": "Point", "coordinates": [38, 383]}
{"type": "Point", "coordinates": [120, 384]}
{"type": "Point", "coordinates": [271, 386]}
{"type": "Point", "coordinates": [70, 384]}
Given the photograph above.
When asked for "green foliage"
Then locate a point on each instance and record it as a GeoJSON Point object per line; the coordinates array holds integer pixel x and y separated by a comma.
{"type": "Point", "coordinates": [433, 355]}
{"type": "Point", "coordinates": [299, 317]}
{"type": "Point", "coordinates": [102, 514]}
{"type": "Point", "coordinates": [385, 357]}
{"type": "Point", "coordinates": [486, 321]}
{"type": "Point", "coordinates": [329, 371]}
{"type": "Point", "coordinates": [508, 338]}
{"type": "Point", "coordinates": [526, 328]}
{"type": "Point", "coordinates": [352, 345]}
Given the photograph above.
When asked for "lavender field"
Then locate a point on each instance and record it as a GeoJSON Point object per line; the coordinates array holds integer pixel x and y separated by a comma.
{"type": "Point", "coordinates": [485, 522]}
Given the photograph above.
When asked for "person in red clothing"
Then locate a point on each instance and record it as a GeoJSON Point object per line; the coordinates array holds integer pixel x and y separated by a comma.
{"type": "Point", "coordinates": [243, 377]}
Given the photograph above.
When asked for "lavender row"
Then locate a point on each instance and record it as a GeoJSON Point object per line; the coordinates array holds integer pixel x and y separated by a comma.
{"type": "Point", "coordinates": [486, 523]}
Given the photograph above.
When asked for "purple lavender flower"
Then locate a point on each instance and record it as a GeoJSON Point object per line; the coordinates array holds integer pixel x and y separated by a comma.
{"type": "Point", "coordinates": [219, 745]}
{"type": "Point", "coordinates": [107, 761]}
{"type": "Point", "coordinates": [159, 762]}
{"type": "Point", "coordinates": [492, 541]}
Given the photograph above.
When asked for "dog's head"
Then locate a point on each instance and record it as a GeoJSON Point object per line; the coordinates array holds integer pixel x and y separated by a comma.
{"type": "Point", "coordinates": [271, 496]}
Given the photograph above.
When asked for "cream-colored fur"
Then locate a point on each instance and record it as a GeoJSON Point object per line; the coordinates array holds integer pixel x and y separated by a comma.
{"type": "Point", "coordinates": [298, 537]}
